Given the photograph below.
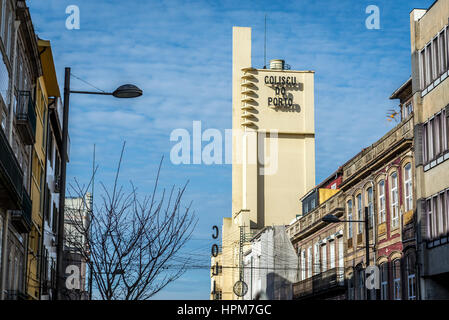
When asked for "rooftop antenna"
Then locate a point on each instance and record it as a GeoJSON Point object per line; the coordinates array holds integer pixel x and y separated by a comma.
{"type": "Point", "coordinates": [265, 45]}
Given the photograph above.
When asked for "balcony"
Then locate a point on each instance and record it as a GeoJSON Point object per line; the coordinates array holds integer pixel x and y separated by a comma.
{"type": "Point", "coordinates": [26, 117]}
{"type": "Point", "coordinates": [312, 222]}
{"type": "Point", "coordinates": [21, 219]}
{"type": "Point", "coordinates": [320, 285]}
{"type": "Point", "coordinates": [11, 177]}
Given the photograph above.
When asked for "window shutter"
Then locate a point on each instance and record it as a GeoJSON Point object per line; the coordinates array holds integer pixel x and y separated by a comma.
{"type": "Point", "coordinates": [418, 132]}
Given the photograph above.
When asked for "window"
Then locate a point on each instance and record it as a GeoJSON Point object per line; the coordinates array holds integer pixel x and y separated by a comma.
{"type": "Point", "coordinates": [394, 200]}
{"type": "Point", "coordinates": [424, 143]}
{"type": "Point", "coordinates": [423, 69]}
{"type": "Point", "coordinates": [429, 219]}
{"type": "Point", "coordinates": [435, 60]}
{"type": "Point", "coordinates": [309, 262]}
{"type": "Point", "coordinates": [340, 273]}
{"type": "Point", "coordinates": [435, 136]}
{"type": "Point", "coordinates": [408, 187]}
{"type": "Point", "coordinates": [324, 258]}
{"type": "Point", "coordinates": [442, 223]}
{"type": "Point", "coordinates": [384, 281]}
{"type": "Point", "coordinates": [443, 52]}
{"type": "Point", "coordinates": [316, 259]}
{"type": "Point", "coordinates": [349, 218]}
{"type": "Point", "coordinates": [359, 214]}
{"type": "Point", "coordinates": [397, 279]}
{"type": "Point", "coordinates": [381, 201]}
{"type": "Point", "coordinates": [332, 254]}
{"type": "Point", "coordinates": [411, 276]}
{"type": "Point", "coordinates": [428, 64]}
{"type": "Point", "coordinates": [407, 110]}
{"type": "Point", "coordinates": [303, 264]}
{"type": "Point", "coordinates": [369, 195]}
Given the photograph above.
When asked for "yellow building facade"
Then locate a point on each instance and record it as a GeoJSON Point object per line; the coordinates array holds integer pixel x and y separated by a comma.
{"type": "Point", "coordinates": [46, 89]}
{"type": "Point", "coordinates": [273, 153]}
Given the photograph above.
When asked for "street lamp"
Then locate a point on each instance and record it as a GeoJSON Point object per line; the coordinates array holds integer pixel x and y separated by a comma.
{"type": "Point", "coordinates": [124, 91]}
{"type": "Point", "coordinates": [330, 218]}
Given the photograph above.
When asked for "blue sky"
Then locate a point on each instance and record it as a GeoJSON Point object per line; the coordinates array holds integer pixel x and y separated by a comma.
{"type": "Point", "coordinates": [180, 54]}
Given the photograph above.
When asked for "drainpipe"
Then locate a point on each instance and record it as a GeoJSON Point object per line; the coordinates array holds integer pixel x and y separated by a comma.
{"type": "Point", "coordinates": [10, 125]}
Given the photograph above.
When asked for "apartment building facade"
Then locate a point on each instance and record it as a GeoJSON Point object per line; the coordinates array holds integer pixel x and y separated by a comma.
{"type": "Point", "coordinates": [380, 178]}
{"type": "Point", "coordinates": [52, 172]}
{"type": "Point", "coordinates": [320, 246]}
{"type": "Point", "coordinates": [20, 69]}
{"type": "Point", "coordinates": [430, 67]}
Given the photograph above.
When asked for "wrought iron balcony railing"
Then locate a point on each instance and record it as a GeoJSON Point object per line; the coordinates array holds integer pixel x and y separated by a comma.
{"type": "Point", "coordinates": [21, 219]}
{"type": "Point", "coordinates": [11, 176]}
{"type": "Point", "coordinates": [26, 117]}
{"type": "Point", "coordinates": [319, 283]}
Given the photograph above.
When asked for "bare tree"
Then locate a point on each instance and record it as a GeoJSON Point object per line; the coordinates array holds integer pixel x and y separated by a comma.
{"type": "Point", "coordinates": [127, 241]}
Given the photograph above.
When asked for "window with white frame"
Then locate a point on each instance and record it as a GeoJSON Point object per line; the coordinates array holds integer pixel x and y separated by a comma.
{"type": "Point", "coordinates": [316, 260]}
{"type": "Point", "coordinates": [411, 276]}
{"type": "Point", "coordinates": [408, 187]}
{"type": "Point", "coordinates": [434, 59]}
{"type": "Point", "coordinates": [394, 200]}
{"type": "Point", "coordinates": [323, 258]}
{"type": "Point", "coordinates": [349, 208]}
{"type": "Point", "coordinates": [340, 253]}
{"type": "Point", "coordinates": [381, 186]}
{"type": "Point", "coordinates": [309, 262]}
{"type": "Point", "coordinates": [359, 213]}
{"type": "Point", "coordinates": [397, 279]}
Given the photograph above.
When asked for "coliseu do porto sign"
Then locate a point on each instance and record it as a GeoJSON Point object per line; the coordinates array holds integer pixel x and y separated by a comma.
{"type": "Point", "coordinates": [280, 85]}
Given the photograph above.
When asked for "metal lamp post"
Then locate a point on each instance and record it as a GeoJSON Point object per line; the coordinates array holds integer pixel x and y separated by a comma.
{"type": "Point", "coordinates": [330, 218]}
{"type": "Point", "coordinates": [124, 91]}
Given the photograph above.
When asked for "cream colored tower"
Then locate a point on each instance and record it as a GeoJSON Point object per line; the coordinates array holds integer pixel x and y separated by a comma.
{"type": "Point", "coordinates": [273, 152]}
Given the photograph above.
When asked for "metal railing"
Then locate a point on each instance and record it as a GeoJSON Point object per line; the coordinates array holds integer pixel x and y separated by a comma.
{"type": "Point", "coordinates": [26, 115]}
{"type": "Point", "coordinates": [319, 283]}
{"type": "Point", "coordinates": [9, 169]}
